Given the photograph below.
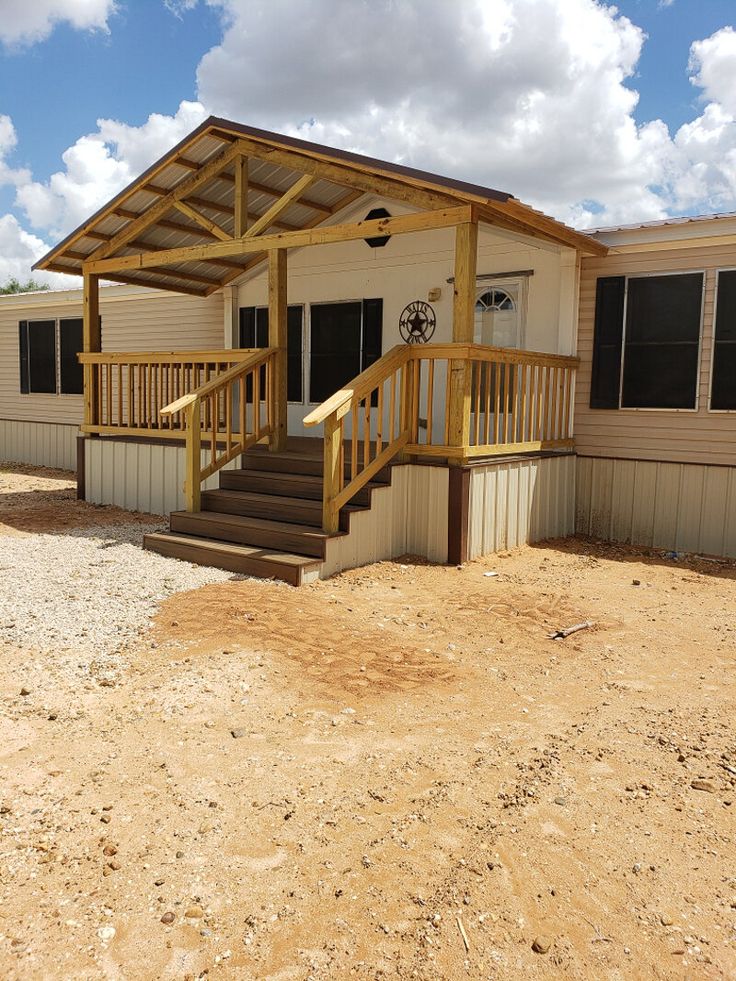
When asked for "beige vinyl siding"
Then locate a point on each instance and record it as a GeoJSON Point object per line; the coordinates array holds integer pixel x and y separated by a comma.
{"type": "Point", "coordinates": [516, 502]}
{"type": "Point", "coordinates": [683, 507]}
{"type": "Point", "coordinates": [685, 436]}
{"type": "Point", "coordinates": [130, 322]}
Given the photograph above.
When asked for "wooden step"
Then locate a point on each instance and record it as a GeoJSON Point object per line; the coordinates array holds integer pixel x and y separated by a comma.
{"type": "Point", "coordinates": [242, 530]}
{"type": "Point", "coordinates": [308, 487]}
{"type": "Point", "coordinates": [265, 563]}
{"type": "Point", "coordinates": [259, 458]}
{"type": "Point", "coordinates": [293, 510]}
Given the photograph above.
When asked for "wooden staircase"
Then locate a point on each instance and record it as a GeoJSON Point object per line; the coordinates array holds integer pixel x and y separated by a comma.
{"type": "Point", "coordinates": [265, 519]}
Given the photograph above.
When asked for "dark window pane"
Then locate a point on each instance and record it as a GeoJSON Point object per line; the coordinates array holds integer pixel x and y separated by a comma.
{"type": "Point", "coordinates": [607, 338]}
{"type": "Point", "coordinates": [662, 341]}
{"type": "Point", "coordinates": [723, 390]}
{"type": "Point", "coordinates": [723, 386]}
{"type": "Point", "coordinates": [664, 309]}
{"type": "Point", "coordinates": [335, 348]}
{"type": "Point", "coordinates": [42, 356]}
{"type": "Point", "coordinates": [70, 341]}
{"type": "Point", "coordinates": [253, 333]}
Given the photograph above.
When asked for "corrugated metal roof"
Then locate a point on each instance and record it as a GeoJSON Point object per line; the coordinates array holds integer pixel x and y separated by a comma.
{"type": "Point", "coordinates": [214, 201]}
{"type": "Point", "coordinates": [682, 220]}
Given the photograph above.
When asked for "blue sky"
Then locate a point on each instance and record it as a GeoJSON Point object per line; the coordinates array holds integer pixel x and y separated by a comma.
{"type": "Point", "coordinates": [532, 96]}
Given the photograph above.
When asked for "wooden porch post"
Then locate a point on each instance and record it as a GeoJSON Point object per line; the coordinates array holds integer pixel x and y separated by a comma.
{"type": "Point", "coordinates": [463, 318]}
{"type": "Point", "coordinates": [277, 337]}
{"type": "Point", "coordinates": [91, 343]}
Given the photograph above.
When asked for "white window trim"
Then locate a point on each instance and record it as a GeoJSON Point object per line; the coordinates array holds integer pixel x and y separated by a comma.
{"type": "Point", "coordinates": [649, 275]}
{"type": "Point", "coordinates": [502, 283]}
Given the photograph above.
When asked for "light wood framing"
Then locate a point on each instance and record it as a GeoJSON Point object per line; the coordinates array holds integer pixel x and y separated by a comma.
{"type": "Point", "coordinates": [277, 338]}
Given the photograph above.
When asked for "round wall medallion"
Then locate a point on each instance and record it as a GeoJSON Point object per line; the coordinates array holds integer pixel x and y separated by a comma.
{"type": "Point", "coordinates": [417, 322]}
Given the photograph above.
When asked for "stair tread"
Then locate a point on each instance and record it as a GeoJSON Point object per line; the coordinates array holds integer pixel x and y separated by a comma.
{"type": "Point", "coordinates": [234, 493]}
{"type": "Point", "coordinates": [228, 548]}
{"type": "Point", "coordinates": [266, 524]}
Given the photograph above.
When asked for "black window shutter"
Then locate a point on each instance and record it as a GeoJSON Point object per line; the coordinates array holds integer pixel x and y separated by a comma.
{"type": "Point", "coordinates": [247, 333]}
{"type": "Point", "coordinates": [23, 352]}
{"type": "Point", "coordinates": [70, 337]}
{"type": "Point", "coordinates": [42, 356]}
{"type": "Point", "coordinates": [294, 369]}
{"type": "Point", "coordinates": [605, 380]}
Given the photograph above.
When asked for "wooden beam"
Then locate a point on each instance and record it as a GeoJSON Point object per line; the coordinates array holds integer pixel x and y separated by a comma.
{"type": "Point", "coordinates": [241, 196]}
{"type": "Point", "coordinates": [91, 341]}
{"type": "Point", "coordinates": [276, 192]}
{"type": "Point", "coordinates": [270, 216]}
{"type": "Point", "coordinates": [182, 190]}
{"type": "Point", "coordinates": [463, 323]}
{"type": "Point", "coordinates": [322, 234]}
{"type": "Point", "coordinates": [347, 175]}
{"type": "Point", "coordinates": [204, 222]}
{"type": "Point", "coordinates": [278, 338]}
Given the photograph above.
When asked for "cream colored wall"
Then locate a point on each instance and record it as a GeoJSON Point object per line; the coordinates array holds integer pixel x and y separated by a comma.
{"type": "Point", "coordinates": [699, 436]}
{"type": "Point", "coordinates": [132, 320]}
{"type": "Point", "coordinates": [518, 502]}
{"type": "Point", "coordinates": [409, 266]}
{"type": "Point", "coordinates": [683, 507]}
{"type": "Point", "coordinates": [408, 517]}
{"type": "Point", "coordinates": [42, 444]}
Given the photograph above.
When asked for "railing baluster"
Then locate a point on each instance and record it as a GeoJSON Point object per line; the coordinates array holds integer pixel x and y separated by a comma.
{"type": "Point", "coordinates": [367, 432]}
{"type": "Point", "coordinates": [497, 403]}
{"type": "Point", "coordinates": [430, 399]}
{"type": "Point", "coordinates": [354, 443]}
{"type": "Point", "coordinates": [475, 374]}
{"type": "Point", "coordinates": [379, 421]}
{"type": "Point", "coordinates": [392, 408]}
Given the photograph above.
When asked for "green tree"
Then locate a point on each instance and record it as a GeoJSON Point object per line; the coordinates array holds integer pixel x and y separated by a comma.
{"type": "Point", "coordinates": [14, 285]}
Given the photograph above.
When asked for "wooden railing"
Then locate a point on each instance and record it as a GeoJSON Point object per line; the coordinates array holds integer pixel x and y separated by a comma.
{"type": "Point", "coordinates": [125, 392]}
{"type": "Point", "coordinates": [445, 400]}
{"type": "Point", "coordinates": [231, 412]}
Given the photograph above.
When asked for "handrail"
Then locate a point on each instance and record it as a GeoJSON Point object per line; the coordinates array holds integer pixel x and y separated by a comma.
{"type": "Point", "coordinates": [165, 357]}
{"type": "Point", "coordinates": [218, 410]}
{"type": "Point", "coordinates": [471, 400]}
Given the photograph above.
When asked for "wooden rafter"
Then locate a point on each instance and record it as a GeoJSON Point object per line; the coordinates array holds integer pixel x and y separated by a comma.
{"type": "Point", "coordinates": [241, 197]}
{"type": "Point", "coordinates": [159, 209]}
{"type": "Point", "coordinates": [289, 197]}
{"type": "Point", "coordinates": [188, 211]}
{"type": "Point", "coordinates": [422, 221]}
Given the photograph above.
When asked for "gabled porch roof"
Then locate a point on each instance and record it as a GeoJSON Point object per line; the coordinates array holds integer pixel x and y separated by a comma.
{"type": "Point", "coordinates": [226, 180]}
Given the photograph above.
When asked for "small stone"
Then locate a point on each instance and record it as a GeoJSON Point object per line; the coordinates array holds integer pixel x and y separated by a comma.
{"type": "Point", "coordinates": [733, 902]}
{"type": "Point", "coordinates": [53, 717]}
{"type": "Point", "coordinates": [205, 826]}
{"type": "Point", "coordinates": [105, 818]}
{"type": "Point", "coordinates": [25, 691]}
{"type": "Point", "coordinates": [109, 851]}
{"type": "Point", "coordinates": [159, 882]}
{"type": "Point", "coordinates": [706, 785]}
{"type": "Point", "coordinates": [180, 855]}
{"type": "Point", "coordinates": [114, 865]}
{"type": "Point", "coordinates": [541, 944]}
{"type": "Point", "coordinates": [560, 801]}
{"type": "Point", "coordinates": [194, 913]}
{"type": "Point", "coordinates": [666, 920]}
{"type": "Point", "coordinates": [238, 733]}
{"type": "Point", "coordinates": [168, 918]}
{"type": "Point", "coordinates": [106, 933]}
{"type": "Point", "coordinates": [636, 582]}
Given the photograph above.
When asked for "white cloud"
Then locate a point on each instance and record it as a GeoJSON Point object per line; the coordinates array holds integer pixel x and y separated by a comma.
{"type": "Point", "coordinates": [30, 21]}
{"type": "Point", "coordinates": [19, 250]}
{"type": "Point", "coordinates": [99, 165]}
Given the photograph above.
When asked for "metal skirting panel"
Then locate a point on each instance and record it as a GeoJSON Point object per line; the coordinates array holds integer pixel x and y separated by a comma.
{"type": "Point", "coordinates": [408, 517]}
{"type": "Point", "coordinates": [145, 477]}
{"type": "Point", "coordinates": [517, 502]}
{"type": "Point", "coordinates": [686, 507]}
{"type": "Point", "coordinates": [41, 444]}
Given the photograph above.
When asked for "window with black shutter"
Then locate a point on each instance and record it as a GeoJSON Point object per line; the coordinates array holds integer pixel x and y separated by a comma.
{"type": "Point", "coordinates": [723, 379]}
{"type": "Point", "coordinates": [41, 348]}
{"type": "Point", "coordinates": [48, 352]}
{"type": "Point", "coordinates": [253, 333]}
{"type": "Point", "coordinates": [646, 344]}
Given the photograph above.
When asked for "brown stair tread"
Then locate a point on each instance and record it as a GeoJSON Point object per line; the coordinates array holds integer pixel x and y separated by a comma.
{"type": "Point", "coordinates": [276, 501]}
{"type": "Point", "coordinates": [250, 530]}
{"type": "Point", "coordinates": [266, 524]}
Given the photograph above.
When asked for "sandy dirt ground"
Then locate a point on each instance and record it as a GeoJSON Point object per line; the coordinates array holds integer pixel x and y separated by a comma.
{"type": "Point", "coordinates": [392, 774]}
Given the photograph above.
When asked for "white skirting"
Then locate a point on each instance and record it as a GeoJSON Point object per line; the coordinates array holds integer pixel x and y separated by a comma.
{"type": "Point", "coordinates": [408, 517]}
{"type": "Point", "coordinates": [42, 444]}
{"type": "Point", "coordinates": [686, 507]}
{"type": "Point", "coordinates": [516, 502]}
